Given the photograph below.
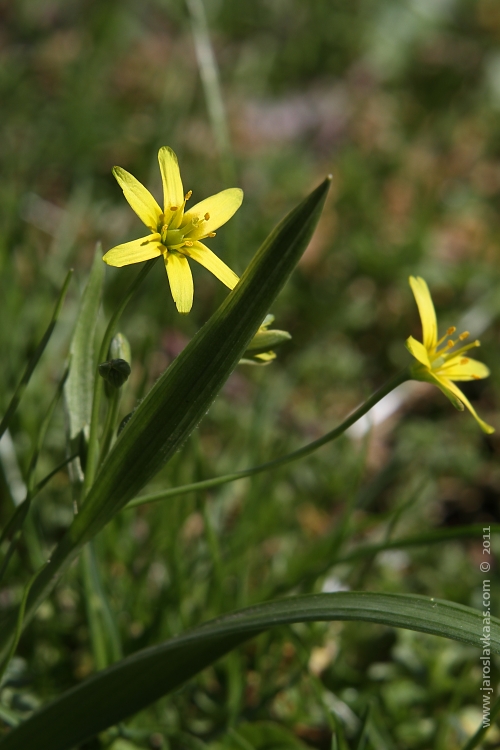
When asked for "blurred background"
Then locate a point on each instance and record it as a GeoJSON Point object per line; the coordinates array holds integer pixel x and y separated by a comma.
{"type": "Point", "coordinates": [400, 101]}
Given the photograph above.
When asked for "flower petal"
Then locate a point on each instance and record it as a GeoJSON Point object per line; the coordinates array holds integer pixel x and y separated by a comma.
{"type": "Point", "coordinates": [426, 376]}
{"type": "Point", "coordinates": [426, 310]}
{"type": "Point", "coordinates": [139, 198]}
{"type": "Point", "coordinates": [220, 208]}
{"type": "Point", "coordinates": [418, 350]}
{"type": "Point", "coordinates": [181, 281]}
{"type": "Point", "coordinates": [173, 193]}
{"type": "Point", "coordinates": [463, 368]}
{"type": "Point", "coordinates": [136, 251]}
{"type": "Point", "coordinates": [458, 393]}
{"type": "Point", "coordinates": [202, 254]}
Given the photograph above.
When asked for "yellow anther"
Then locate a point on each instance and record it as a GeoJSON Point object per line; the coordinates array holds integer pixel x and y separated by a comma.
{"type": "Point", "coordinates": [207, 216]}
{"type": "Point", "coordinates": [464, 335]}
{"type": "Point", "coordinates": [174, 208]}
{"type": "Point", "coordinates": [450, 344]}
{"type": "Point", "coordinates": [188, 195]}
{"type": "Point", "coordinates": [212, 234]}
{"type": "Point", "coordinates": [188, 243]}
{"type": "Point", "coordinates": [451, 330]}
{"type": "Point", "coordinates": [464, 361]}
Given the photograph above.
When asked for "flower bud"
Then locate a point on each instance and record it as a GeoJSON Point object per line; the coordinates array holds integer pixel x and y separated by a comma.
{"type": "Point", "coordinates": [120, 348]}
{"type": "Point", "coordinates": [115, 372]}
{"type": "Point", "coordinates": [258, 351]}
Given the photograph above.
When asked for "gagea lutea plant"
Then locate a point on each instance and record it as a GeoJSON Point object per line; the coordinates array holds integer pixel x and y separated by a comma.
{"type": "Point", "coordinates": [111, 459]}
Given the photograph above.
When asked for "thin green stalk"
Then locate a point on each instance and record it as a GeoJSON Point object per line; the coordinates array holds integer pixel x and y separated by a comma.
{"type": "Point", "coordinates": [209, 74]}
{"type": "Point", "coordinates": [30, 480]}
{"type": "Point", "coordinates": [104, 636]}
{"type": "Point", "coordinates": [30, 367]}
{"type": "Point", "coordinates": [19, 625]}
{"type": "Point", "coordinates": [478, 736]}
{"type": "Point", "coordinates": [306, 450]}
{"type": "Point", "coordinates": [15, 524]}
{"type": "Point", "coordinates": [41, 484]}
{"type": "Point", "coordinates": [93, 444]}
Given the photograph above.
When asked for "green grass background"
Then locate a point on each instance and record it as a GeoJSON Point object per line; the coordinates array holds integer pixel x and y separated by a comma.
{"type": "Point", "coordinates": [400, 101]}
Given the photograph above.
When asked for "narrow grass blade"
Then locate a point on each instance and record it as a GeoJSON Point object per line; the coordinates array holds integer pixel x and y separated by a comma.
{"type": "Point", "coordinates": [15, 524]}
{"type": "Point", "coordinates": [19, 625]}
{"type": "Point", "coordinates": [135, 682]}
{"type": "Point", "coordinates": [34, 359]}
{"type": "Point", "coordinates": [104, 634]}
{"type": "Point", "coordinates": [209, 74]}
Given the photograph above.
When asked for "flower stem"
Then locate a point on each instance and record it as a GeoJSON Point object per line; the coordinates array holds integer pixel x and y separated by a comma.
{"type": "Point", "coordinates": [93, 444]}
{"type": "Point", "coordinates": [206, 484]}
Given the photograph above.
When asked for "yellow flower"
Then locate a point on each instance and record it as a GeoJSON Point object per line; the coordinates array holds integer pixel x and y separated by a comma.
{"type": "Point", "coordinates": [174, 234]}
{"type": "Point", "coordinates": [439, 362]}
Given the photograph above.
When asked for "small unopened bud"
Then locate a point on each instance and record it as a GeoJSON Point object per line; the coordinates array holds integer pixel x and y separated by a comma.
{"type": "Point", "coordinates": [120, 348]}
{"type": "Point", "coordinates": [115, 372]}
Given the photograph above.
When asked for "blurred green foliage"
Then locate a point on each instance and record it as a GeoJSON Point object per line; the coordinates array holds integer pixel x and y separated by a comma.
{"type": "Point", "coordinates": [400, 100]}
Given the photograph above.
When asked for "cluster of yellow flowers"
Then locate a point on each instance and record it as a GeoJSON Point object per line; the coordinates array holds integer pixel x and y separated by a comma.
{"type": "Point", "coordinates": [175, 234]}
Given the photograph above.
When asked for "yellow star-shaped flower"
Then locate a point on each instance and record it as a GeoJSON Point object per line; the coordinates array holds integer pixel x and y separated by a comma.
{"type": "Point", "coordinates": [175, 234]}
{"type": "Point", "coordinates": [439, 362]}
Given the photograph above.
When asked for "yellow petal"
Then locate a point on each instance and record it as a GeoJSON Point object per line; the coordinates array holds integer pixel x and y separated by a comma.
{"type": "Point", "coordinates": [458, 393]}
{"type": "Point", "coordinates": [426, 376]}
{"type": "Point", "coordinates": [259, 359]}
{"type": "Point", "coordinates": [426, 309]}
{"type": "Point", "coordinates": [463, 368]}
{"type": "Point", "coordinates": [136, 251]}
{"type": "Point", "coordinates": [139, 199]}
{"type": "Point", "coordinates": [219, 207]}
{"type": "Point", "coordinates": [418, 350]}
{"type": "Point", "coordinates": [173, 194]}
{"type": "Point", "coordinates": [181, 281]}
{"type": "Point", "coordinates": [215, 265]}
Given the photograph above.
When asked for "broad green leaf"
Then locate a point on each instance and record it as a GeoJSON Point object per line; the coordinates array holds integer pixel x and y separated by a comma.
{"type": "Point", "coordinates": [79, 388]}
{"type": "Point", "coordinates": [183, 394]}
{"type": "Point", "coordinates": [133, 683]}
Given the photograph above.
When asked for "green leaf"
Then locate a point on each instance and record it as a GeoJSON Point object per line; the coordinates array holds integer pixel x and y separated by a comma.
{"type": "Point", "coordinates": [79, 388]}
{"type": "Point", "coordinates": [133, 683]}
{"type": "Point", "coordinates": [183, 394]}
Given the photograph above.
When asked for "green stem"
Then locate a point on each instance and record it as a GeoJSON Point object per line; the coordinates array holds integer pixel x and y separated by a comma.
{"type": "Point", "coordinates": [480, 733]}
{"type": "Point", "coordinates": [93, 444]}
{"type": "Point", "coordinates": [306, 450]}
